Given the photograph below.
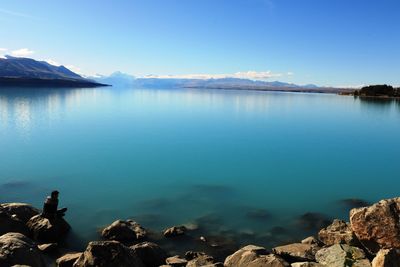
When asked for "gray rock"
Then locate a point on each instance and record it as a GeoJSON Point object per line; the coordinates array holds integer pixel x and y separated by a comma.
{"type": "Point", "coordinates": [341, 255]}
{"type": "Point", "coordinates": [108, 253]}
{"type": "Point", "coordinates": [254, 256]}
{"type": "Point", "coordinates": [386, 258]}
{"type": "Point", "coordinates": [68, 259]}
{"type": "Point", "coordinates": [296, 252]}
{"type": "Point", "coordinates": [175, 231]}
{"type": "Point", "coordinates": [128, 230]}
{"type": "Point", "coordinates": [43, 229]}
{"type": "Point", "coordinates": [150, 253]}
{"type": "Point", "coordinates": [378, 226]}
{"type": "Point", "coordinates": [22, 211]}
{"type": "Point", "coordinates": [339, 232]}
{"type": "Point", "coordinates": [17, 249]}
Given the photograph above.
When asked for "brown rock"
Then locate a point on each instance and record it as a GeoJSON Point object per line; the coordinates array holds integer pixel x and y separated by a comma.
{"type": "Point", "coordinates": [254, 256]}
{"type": "Point", "coordinates": [108, 253]}
{"type": "Point", "coordinates": [48, 248]}
{"type": "Point", "coordinates": [150, 253]}
{"type": "Point", "coordinates": [197, 259]}
{"type": "Point", "coordinates": [22, 211]}
{"type": "Point", "coordinates": [296, 252]}
{"type": "Point", "coordinates": [176, 261]}
{"type": "Point", "coordinates": [339, 232]}
{"type": "Point", "coordinates": [386, 258]}
{"type": "Point", "coordinates": [307, 264]}
{"type": "Point", "coordinates": [378, 226]}
{"type": "Point", "coordinates": [311, 240]}
{"type": "Point", "coordinates": [68, 259]}
{"type": "Point", "coordinates": [124, 231]}
{"type": "Point", "coordinates": [46, 230]}
{"type": "Point", "coordinates": [17, 249]}
{"type": "Point", "coordinates": [175, 231]}
{"type": "Point", "coordinates": [9, 223]}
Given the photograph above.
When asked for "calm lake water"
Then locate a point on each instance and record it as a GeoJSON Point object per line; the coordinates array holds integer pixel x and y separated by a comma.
{"type": "Point", "coordinates": [240, 162]}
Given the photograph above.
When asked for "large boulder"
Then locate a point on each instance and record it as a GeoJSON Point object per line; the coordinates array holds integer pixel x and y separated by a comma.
{"type": "Point", "coordinates": [341, 255]}
{"type": "Point", "coordinates": [378, 226]}
{"type": "Point", "coordinates": [17, 249]}
{"type": "Point", "coordinates": [339, 232]}
{"type": "Point", "coordinates": [108, 253]}
{"type": "Point", "coordinates": [128, 230]}
{"type": "Point", "coordinates": [68, 259]}
{"type": "Point", "coordinates": [45, 230]}
{"type": "Point", "coordinates": [150, 253]}
{"type": "Point", "coordinates": [296, 252]}
{"type": "Point", "coordinates": [10, 223]}
{"type": "Point", "coordinates": [22, 211]}
{"type": "Point", "coordinates": [254, 256]}
{"type": "Point", "coordinates": [386, 258]}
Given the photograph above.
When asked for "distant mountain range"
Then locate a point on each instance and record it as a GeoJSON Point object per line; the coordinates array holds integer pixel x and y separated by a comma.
{"type": "Point", "coordinates": [16, 71]}
{"type": "Point", "coordinates": [121, 79]}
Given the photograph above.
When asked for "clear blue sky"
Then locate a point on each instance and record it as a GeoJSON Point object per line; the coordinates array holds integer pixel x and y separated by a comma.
{"type": "Point", "coordinates": [326, 42]}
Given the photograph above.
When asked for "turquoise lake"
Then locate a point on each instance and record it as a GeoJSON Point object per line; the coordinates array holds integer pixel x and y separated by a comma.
{"type": "Point", "coordinates": [241, 162]}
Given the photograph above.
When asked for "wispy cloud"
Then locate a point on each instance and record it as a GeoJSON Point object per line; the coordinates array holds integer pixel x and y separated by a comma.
{"type": "Point", "coordinates": [23, 52]}
{"type": "Point", "coordinates": [252, 75]}
{"type": "Point", "coordinates": [16, 14]}
{"type": "Point", "coordinates": [2, 52]}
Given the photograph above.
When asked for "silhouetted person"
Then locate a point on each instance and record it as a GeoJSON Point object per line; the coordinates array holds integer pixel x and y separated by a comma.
{"type": "Point", "coordinates": [50, 207]}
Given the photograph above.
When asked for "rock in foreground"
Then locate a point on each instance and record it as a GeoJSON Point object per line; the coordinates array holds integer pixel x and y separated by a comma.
{"type": "Point", "coordinates": [378, 226]}
{"type": "Point", "coordinates": [254, 256]}
{"type": "Point", "coordinates": [297, 252]}
{"type": "Point", "coordinates": [339, 232]}
{"type": "Point", "coordinates": [17, 249]}
{"type": "Point", "coordinates": [46, 230]}
{"type": "Point", "coordinates": [128, 230]}
{"type": "Point", "coordinates": [108, 253]}
{"type": "Point", "coordinates": [386, 258]}
{"type": "Point", "coordinates": [22, 211]}
{"type": "Point", "coordinates": [150, 253]}
{"type": "Point", "coordinates": [342, 256]}
{"type": "Point", "coordinates": [68, 259]}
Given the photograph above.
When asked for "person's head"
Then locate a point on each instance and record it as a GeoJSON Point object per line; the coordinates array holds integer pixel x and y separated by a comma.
{"type": "Point", "coordinates": [54, 194]}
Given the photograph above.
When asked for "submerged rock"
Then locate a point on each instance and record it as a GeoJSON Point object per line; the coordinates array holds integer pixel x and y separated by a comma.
{"type": "Point", "coordinates": [352, 203]}
{"type": "Point", "coordinates": [339, 232]}
{"type": "Point", "coordinates": [150, 253]}
{"type": "Point", "coordinates": [378, 226]}
{"type": "Point", "coordinates": [254, 256]}
{"type": "Point", "coordinates": [296, 252]}
{"type": "Point", "coordinates": [108, 253]}
{"type": "Point", "coordinates": [17, 249]}
{"type": "Point", "coordinates": [175, 231]}
{"type": "Point", "coordinates": [22, 211]}
{"type": "Point", "coordinates": [68, 259]}
{"type": "Point", "coordinates": [128, 230]}
{"type": "Point", "coordinates": [46, 230]}
{"type": "Point", "coordinates": [312, 221]}
{"type": "Point", "coordinates": [258, 214]}
{"type": "Point", "coordinates": [386, 258]}
{"type": "Point", "coordinates": [341, 255]}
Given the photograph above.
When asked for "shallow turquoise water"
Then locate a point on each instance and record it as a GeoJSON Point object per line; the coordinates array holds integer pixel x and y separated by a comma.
{"type": "Point", "coordinates": [166, 157]}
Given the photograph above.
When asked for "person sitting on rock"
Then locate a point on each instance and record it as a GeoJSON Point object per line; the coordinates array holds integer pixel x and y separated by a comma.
{"type": "Point", "coordinates": [50, 206]}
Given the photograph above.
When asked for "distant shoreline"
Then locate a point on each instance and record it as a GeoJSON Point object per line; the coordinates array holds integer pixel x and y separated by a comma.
{"type": "Point", "coordinates": [327, 90]}
{"type": "Point", "coordinates": [33, 82]}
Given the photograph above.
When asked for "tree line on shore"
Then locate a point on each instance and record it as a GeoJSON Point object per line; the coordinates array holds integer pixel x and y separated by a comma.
{"type": "Point", "coordinates": [378, 91]}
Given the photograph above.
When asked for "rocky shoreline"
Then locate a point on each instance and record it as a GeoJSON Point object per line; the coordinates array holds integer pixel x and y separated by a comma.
{"type": "Point", "coordinates": [370, 238]}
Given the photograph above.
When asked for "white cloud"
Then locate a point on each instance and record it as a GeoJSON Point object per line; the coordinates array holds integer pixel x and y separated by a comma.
{"type": "Point", "coordinates": [3, 49]}
{"type": "Point", "coordinates": [252, 75]}
{"type": "Point", "coordinates": [23, 52]}
{"type": "Point", "coordinates": [2, 52]}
